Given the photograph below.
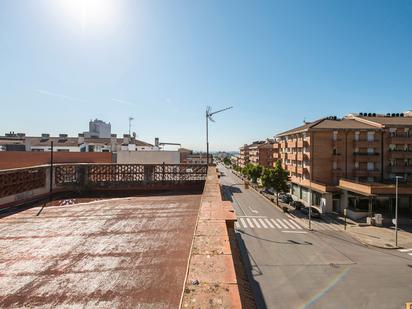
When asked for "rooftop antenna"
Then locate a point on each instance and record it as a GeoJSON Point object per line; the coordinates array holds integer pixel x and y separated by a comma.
{"type": "Point", "coordinates": [209, 115]}
{"type": "Point", "coordinates": [130, 124]}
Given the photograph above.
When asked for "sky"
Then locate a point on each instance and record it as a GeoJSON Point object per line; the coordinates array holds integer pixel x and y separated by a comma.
{"type": "Point", "coordinates": [278, 63]}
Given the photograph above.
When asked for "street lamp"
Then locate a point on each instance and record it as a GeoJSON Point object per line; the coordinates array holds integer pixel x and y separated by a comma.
{"type": "Point", "coordinates": [209, 115]}
{"type": "Point", "coordinates": [310, 206]}
{"type": "Point", "coordinates": [396, 209]}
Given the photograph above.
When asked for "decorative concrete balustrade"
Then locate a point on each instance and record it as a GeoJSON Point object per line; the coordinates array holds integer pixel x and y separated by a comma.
{"type": "Point", "coordinates": [18, 186]}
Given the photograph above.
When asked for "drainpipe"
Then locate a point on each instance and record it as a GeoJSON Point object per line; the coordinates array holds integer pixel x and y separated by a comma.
{"type": "Point", "coordinates": [382, 154]}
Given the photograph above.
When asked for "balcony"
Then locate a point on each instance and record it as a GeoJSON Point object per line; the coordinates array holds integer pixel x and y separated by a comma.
{"type": "Point", "coordinates": [300, 170]}
{"type": "Point", "coordinates": [299, 156]}
{"type": "Point", "coordinates": [283, 156]}
{"type": "Point", "coordinates": [363, 143]}
{"type": "Point", "coordinates": [400, 169]}
{"type": "Point", "coordinates": [400, 154]}
{"type": "Point", "coordinates": [365, 153]}
{"type": "Point", "coordinates": [366, 173]}
{"type": "Point", "coordinates": [401, 139]}
{"type": "Point", "coordinates": [292, 144]}
{"type": "Point", "coordinates": [300, 143]}
{"type": "Point", "coordinates": [291, 168]}
{"type": "Point", "coordinates": [292, 156]}
{"type": "Point", "coordinates": [276, 155]}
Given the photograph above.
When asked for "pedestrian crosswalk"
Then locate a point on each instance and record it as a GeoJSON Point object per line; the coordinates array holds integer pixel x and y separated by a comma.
{"type": "Point", "coordinates": [267, 223]}
{"type": "Point", "coordinates": [318, 225]}
{"type": "Point", "coordinates": [407, 251]}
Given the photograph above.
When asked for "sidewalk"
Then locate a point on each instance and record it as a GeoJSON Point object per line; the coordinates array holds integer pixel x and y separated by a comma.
{"type": "Point", "coordinates": [381, 237]}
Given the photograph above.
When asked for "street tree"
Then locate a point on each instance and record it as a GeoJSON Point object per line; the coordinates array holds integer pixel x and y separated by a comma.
{"type": "Point", "coordinates": [276, 178]}
{"type": "Point", "coordinates": [255, 171]}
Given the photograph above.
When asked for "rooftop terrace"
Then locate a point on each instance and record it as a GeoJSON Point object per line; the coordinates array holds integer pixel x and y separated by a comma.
{"type": "Point", "coordinates": [103, 254]}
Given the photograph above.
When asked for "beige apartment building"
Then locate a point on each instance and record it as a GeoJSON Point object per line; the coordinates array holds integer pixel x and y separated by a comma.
{"type": "Point", "coordinates": [350, 163]}
{"type": "Point", "coordinates": [261, 152]}
{"type": "Point", "coordinates": [244, 156]}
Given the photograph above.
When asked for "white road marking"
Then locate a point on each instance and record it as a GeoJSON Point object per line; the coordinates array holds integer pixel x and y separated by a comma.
{"type": "Point", "coordinates": [288, 223]}
{"type": "Point", "coordinates": [237, 225]}
{"type": "Point", "coordinates": [410, 253]}
{"type": "Point", "coordinates": [268, 223]}
{"type": "Point", "coordinates": [275, 223]}
{"type": "Point", "coordinates": [405, 250]}
{"type": "Point", "coordinates": [250, 223]}
{"type": "Point", "coordinates": [253, 210]}
{"type": "Point", "coordinates": [295, 224]}
{"type": "Point", "coordinates": [296, 232]}
{"type": "Point", "coordinates": [243, 222]}
{"type": "Point", "coordinates": [282, 224]}
{"type": "Point", "coordinates": [256, 222]}
{"type": "Point", "coordinates": [263, 223]}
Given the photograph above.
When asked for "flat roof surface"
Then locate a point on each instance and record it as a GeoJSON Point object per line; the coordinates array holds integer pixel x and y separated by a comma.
{"type": "Point", "coordinates": [126, 252]}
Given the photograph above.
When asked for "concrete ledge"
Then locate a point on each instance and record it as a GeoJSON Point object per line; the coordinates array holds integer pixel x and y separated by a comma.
{"type": "Point", "coordinates": [211, 280]}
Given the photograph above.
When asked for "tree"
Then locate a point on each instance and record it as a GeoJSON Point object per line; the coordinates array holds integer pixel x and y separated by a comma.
{"type": "Point", "coordinates": [227, 161]}
{"type": "Point", "coordinates": [276, 178]}
{"type": "Point", "coordinates": [254, 172]}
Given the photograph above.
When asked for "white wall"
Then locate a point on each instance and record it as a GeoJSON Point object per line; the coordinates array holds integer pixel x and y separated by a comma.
{"type": "Point", "coordinates": [148, 157]}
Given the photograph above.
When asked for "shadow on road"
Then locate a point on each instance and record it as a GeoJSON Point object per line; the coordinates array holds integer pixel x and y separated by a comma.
{"type": "Point", "coordinates": [228, 191]}
{"type": "Point", "coordinates": [251, 269]}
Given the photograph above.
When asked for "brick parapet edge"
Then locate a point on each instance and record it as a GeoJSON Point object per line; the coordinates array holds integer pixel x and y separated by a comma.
{"type": "Point", "coordinates": [210, 277]}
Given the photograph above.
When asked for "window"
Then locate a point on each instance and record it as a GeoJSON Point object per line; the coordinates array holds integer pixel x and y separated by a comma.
{"type": "Point", "coordinates": [356, 164]}
{"type": "Point", "coordinates": [371, 166]}
{"type": "Point", "coordinates": [392, 147]}
{"type": "Point", "coordinates": [371, 150]}
{"type": "Point", "coordinates": [371, 136]}
{"type": "Point", "coordinates": [335, 135]}
{"type": "Point", "coordinates": [335, 151]}
{"type": "Point", "coordinates": [335, 165]}
{"type": "Point", "coordinates": [371, 179]}
{"type": "Point", "coordinates": [357, 135]}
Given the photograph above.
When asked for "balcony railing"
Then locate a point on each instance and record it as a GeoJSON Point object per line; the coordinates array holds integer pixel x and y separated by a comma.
{"type": "Point", "coordinates": [97, 176]}
{"type": "Point", "coordinates": [365, 153]}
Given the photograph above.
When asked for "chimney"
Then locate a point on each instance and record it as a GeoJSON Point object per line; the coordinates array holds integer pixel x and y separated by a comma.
{"type": "Point", "coordinates": [80, 139]}
{"type": "Point", "coordinates": [156, 141]}
{"type": "Point", "coordinates": [113, 142]}
{"type": "Point", "coordinates": [126, 139]}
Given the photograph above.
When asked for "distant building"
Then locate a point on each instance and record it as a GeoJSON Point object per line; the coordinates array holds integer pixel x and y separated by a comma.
{"type": "Point", "coordinates": [20, 142]}
{"type": "Point", "coordinates": [244, 156]}
{"type": "Point", "coordinates": [261, 152]}
{"type": "Point", "coordinates": [98, 129]}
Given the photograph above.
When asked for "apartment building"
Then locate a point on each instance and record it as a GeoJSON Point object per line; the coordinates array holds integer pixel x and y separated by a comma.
{"type": "Point", "coordinates": [64, 143]}
{"type": "Point", "coordinates": [261, 152]}
{"type": "Point", "coordinates": [350, 163]}
{"type": "Point", "coordinates": [244, 156]}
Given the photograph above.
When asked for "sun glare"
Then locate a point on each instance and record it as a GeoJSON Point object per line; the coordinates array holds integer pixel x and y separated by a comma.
{"type": "Point", "coordinates": [88, 13]}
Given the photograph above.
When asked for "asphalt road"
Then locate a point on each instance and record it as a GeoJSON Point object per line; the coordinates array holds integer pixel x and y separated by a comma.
{"type": "Point", "coordinates": [291, 267]}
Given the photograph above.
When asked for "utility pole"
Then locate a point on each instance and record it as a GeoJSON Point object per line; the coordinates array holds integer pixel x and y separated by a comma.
{"type": "Point", "coordinates": [310, 205]}
{"type": "Point", "coordinates": [130, 125]}
{"type": "Point", "coordinates": [209, 115]}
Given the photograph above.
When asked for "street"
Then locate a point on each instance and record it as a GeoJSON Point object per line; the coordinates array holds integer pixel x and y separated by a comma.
{"type": "Point", "coordinates": [291, 267]}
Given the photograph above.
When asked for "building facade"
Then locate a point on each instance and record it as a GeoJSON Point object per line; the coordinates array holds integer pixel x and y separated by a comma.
{"type": "Point", "coordinates": [350, 163]}
{"type": "Point", "coordinates": [261, 152]}
{"type": "Point", "coordinates": [244, 156]}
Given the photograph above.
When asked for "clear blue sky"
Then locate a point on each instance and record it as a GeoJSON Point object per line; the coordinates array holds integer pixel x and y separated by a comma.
{"type": "Point", "coordinates": [63, 62]}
